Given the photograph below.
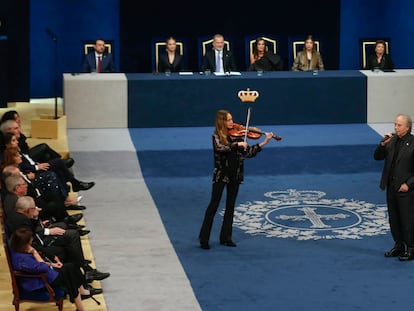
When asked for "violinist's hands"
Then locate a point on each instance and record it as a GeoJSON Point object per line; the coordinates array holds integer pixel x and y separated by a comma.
{"type": "Point", "coordinates": [242, 144]}
{"type": "Point", "coordinates": [268, 137]}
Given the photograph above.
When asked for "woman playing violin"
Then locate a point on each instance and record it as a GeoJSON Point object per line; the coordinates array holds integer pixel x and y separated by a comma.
{"type": "Point", "coordinates": [229, 155]}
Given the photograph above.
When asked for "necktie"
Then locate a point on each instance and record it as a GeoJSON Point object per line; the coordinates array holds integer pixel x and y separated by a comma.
{"type": "Point", "coordinates": [98, 69]}
{"type": "Point", "coordinates": [218, 62]}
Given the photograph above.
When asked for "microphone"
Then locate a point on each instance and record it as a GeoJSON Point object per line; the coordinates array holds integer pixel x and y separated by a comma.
{"type": "Point", "coordinates": [386, 137]}
{"type": "Point", "coordinates": [51, 34]}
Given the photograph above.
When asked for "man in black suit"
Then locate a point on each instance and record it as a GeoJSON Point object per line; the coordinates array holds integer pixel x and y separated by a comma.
{"type": "Point", "coordinates": [398, 179]}
{"type": "Point", "coordinates": [218, 59]}
{"type": "Point", "coordinates": [99, 60]}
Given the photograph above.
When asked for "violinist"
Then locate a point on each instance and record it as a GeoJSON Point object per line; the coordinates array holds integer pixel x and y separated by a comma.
{"type": "Point", "coordinates": [229, 155]}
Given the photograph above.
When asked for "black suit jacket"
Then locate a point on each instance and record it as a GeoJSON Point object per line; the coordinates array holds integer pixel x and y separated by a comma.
{"type": "Point", "coordinates": [89, 63]}
{"type": "Point", "coordinates": [385, 63]}
{"type": "Point", "coordinates": [164, 63]}
{"type": "Point", "coordinates": [403, 171]}
{"type": "Point", "coordinates": [209, 61]}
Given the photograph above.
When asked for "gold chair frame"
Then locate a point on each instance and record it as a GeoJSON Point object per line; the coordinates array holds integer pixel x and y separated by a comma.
{"type": "Point", "coordinates": [206, 43]}
{"type": "Point", "coordinates": [87, 46]}
{"type": "Point", "coordinates": [365, 44]}
{"type": "Point", "coordinates": [158, 45]}
{"type": "Point", "coordinates": [273, 42]}
{"type": "Point", "coordinates": [296, 44]}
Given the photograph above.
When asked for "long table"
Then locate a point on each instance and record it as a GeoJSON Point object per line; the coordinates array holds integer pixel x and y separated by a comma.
{"type": "Point", "coordinates": [284, 98]}
{"type": "Point", "coordinates": [157, 100]}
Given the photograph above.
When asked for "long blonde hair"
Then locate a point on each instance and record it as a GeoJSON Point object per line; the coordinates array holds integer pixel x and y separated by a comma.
{"type": "Point", "coordinates": [221, 128]}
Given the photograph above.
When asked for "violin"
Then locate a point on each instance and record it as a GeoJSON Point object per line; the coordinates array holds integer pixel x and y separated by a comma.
{"type": "Point", "coordinates": [239, 130]}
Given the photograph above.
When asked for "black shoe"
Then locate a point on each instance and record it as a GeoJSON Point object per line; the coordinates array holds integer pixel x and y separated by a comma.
{"type": "Point", "coordinates": [69, 162]}
{"type": "Point", "coordinates": [73, 219]}
{"type": "Point", "coordinates": [92, 291]}
{"type": "Point", "coordinates": [396, 251]}
{"type": "Point", "coordinates": [75, 226]}
{"type": "Point", "coordinates": [228, 243]}
{"type": "Point", "coordinates": [204, 245]}
{"type": "Point", "coordinates": [79, 186]}
{"type": "Point", "coordinates": [75, 207]}
{"type": "Point", "coordinates": [83, 232]}
{"type": "Point", "coordinates": [408, 255]}
{"type": "Point", "coordinates": [95, 275]}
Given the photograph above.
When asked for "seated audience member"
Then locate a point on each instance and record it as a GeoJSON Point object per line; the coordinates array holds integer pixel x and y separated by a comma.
{"type": "Point", "coordinates": [99, 60]}
{"type": "Point", "coordinates": [26, 259]}
{"type": "Point", "coordinates": [52, 210]}
{"type": "Point", "coordinates": [170, 60]}
{"type": "Point", "coordinates": [263, 59]}
{"type": "Point", "coordinates": [56, 165]}
{"type": "Point", "coordinates": [379, 59]}
{"type": "Point", "coordinates": [309, 58]}
{"type": "Point", "coordinates": [39, 153]}
{"type": "Point", "coordinates": [218, 59]}
{"type": "Point", "coordinates": [53, 240]}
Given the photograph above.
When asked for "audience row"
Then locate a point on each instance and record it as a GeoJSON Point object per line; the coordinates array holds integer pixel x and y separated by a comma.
{"type": "Point", "coordinates": [35, 187]}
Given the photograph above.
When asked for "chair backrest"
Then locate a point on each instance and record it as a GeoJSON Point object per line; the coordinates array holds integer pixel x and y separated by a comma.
{"type": "Point", "coordinates": [368, 47]}
{"type": "Point", "coordinates": [272, 43]}
{"type": "Point", "coordinates": [158, 46]}
{"type": "Point", "coordinates": [205, 43]}
{"type": "Point", "coordinates": [47, 295]}
{"type": "Point", "coordinates": [88, 46]}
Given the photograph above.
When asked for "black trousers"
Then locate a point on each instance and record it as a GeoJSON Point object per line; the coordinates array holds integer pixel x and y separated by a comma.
{"type": "Point", "coordinates": [401, 215]}
{"type": "Point", "coordinates": [232, 189]}
{"type": "Point", "coordinates": [70, 278]}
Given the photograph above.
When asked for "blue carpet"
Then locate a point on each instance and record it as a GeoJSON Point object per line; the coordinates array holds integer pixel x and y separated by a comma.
{"type": "Point", "coordinates": [283, 261]}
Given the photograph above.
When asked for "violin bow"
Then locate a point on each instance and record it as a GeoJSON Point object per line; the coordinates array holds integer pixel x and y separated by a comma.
{"type": "Point", "coordinates": [247, 124]}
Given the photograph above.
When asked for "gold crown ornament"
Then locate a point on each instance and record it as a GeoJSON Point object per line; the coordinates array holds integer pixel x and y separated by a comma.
{"type": "Point", "coordinates": [248, 96]}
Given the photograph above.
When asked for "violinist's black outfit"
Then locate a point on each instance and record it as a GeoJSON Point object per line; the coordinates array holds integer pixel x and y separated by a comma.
{"type": "Point", "coordinates": [229, 173]}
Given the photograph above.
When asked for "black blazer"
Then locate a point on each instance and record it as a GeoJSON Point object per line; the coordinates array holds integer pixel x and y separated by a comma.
{"type": "Point", "coordinates": [403, 171]}
{"type": "Point", "coordinates": [164, 63]}
{"type": "Point", "coordinates": [89, 63]}
{"type": "Point", "coordinates": [209, 61]}
{"type": "Point", "coordinates": [385, 63]}
{"type": "Point", "coordinates": [269, 62]}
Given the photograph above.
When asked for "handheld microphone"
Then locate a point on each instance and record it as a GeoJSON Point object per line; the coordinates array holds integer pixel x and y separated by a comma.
{"type": "Point", "coordinates": [386, 137]}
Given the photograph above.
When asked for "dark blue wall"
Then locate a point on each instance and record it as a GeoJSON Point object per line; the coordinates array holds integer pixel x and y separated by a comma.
{"type": "Point", "coordinates": [341, 23]}
{"type": "Point", "coordinates": [373, 19]}
{"type": "Point", "coordinates": [72, 22]}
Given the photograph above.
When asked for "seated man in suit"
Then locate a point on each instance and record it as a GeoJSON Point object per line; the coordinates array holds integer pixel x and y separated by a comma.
{"type": "Point", "coordinates": [99, 60]}
{"type": "Point", "coordinates": [218, 59]}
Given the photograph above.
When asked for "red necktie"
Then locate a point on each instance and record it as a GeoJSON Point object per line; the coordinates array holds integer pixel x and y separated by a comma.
{"type": "Point", "coordinates": [99, 64]}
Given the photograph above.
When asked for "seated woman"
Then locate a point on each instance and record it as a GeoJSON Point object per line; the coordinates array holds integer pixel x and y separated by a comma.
{"type": "Point", "coordinates": [41, 152]}
{"type": "Point", "coordinates": [262, 59]}
{"type": "Point", "coordinates": [170, 60]}
{"type": "Point", "coordinates": [56, 165]}
{"type": "Point", "coordinates": [26, 259]}
{"type": "Point", "coordinates": [309, 58]}
{"type": "Point", "coordinates": [379, 59]}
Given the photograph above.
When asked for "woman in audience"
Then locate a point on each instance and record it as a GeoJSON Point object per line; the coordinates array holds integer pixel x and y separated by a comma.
{"type": "Point", "coordinates": [263, 59]}
{"type": "Point", "coordinates": [309, 58]}
{"type": "Point", "coordinates": [39, 153]}
{"type": "Point", "coordinates": [25, 258]}
{"type": "Point", "coordinates": [170, 60]}
{"type": "Point", "coordinates": [379, 59]}
{"type": "Point", "coordinates": [56, 165]}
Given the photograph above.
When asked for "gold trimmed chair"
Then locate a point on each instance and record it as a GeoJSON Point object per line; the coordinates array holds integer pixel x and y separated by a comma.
{"type": "Point", "coordinates": [298, 45]}
{"type": "Point", "coordinates": [89, 47]}
{"type": "Point", "coordinates": [368, 48]}
{"type": "Point", "coordinates": [159, 47]}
